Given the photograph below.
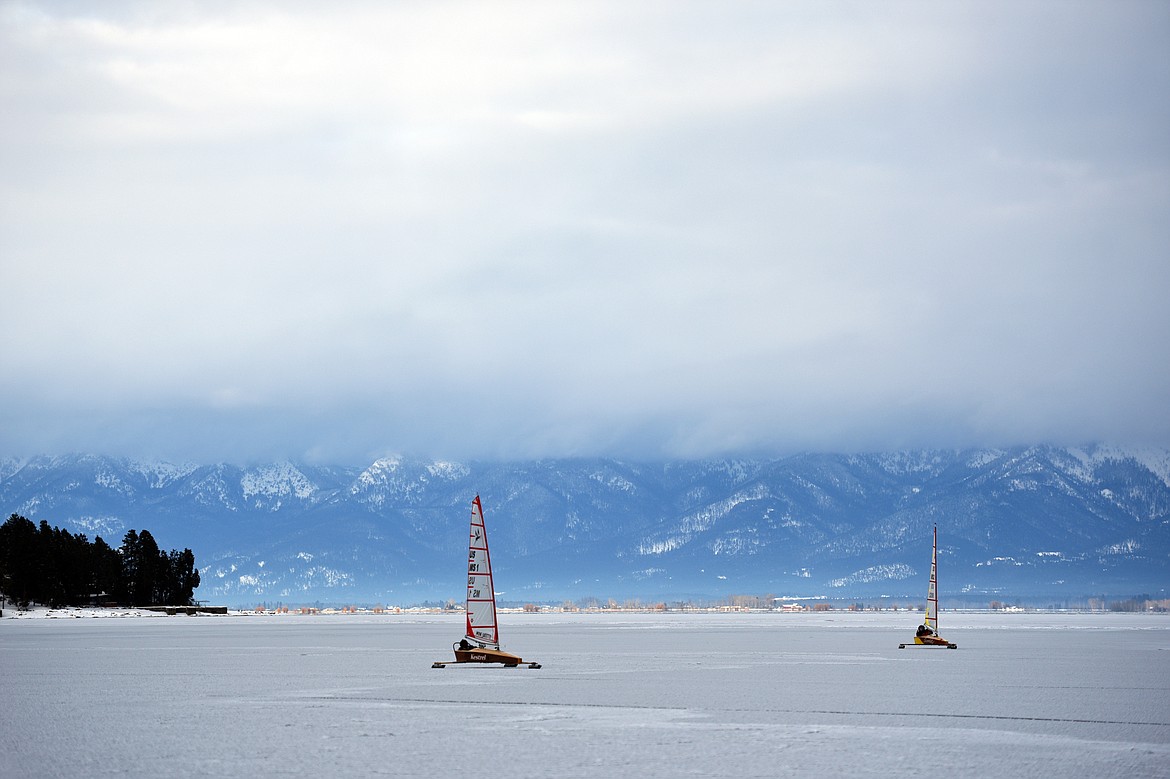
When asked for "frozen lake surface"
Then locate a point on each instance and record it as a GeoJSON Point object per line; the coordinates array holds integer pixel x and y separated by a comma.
{"type": "Point", "coordinates": [620, 695]}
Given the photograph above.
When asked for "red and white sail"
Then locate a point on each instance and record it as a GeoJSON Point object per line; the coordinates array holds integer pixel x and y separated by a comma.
{"type": "Point", "coordinates": [481, 594]}
{"type": "Point", "coordinates": [931, 620]}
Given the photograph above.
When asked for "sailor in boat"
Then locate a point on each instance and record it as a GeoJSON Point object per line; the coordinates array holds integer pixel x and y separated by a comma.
{"type": "Point", "coordinates": [923, 630]}
{"type": "Point", "coordinates": [465, 645]}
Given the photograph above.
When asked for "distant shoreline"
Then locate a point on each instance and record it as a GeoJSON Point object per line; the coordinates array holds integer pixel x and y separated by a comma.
{"type": "Point", "coordinates": [101, 612]}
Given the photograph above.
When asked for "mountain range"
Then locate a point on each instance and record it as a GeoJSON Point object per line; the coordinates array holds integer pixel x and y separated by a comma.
{"type": "Point", "coordinates": [1029, 522]}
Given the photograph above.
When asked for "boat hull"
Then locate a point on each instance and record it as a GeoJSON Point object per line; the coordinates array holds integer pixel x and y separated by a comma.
{"type": "Point", "coordinates": [930, 641]}
{"type": "Point", "coordinates": [484, 656]}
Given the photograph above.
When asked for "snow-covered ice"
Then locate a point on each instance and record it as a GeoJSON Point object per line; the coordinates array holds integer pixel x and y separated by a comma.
{"type": "Point", "coordinates": [620, 695]}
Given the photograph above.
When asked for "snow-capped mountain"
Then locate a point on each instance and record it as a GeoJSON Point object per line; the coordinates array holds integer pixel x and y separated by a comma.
{"type": "Point", "coordinates": [1036, 521]}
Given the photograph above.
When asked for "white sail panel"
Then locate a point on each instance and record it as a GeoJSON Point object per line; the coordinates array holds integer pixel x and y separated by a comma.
{"type": "Point", "coordinates": [481, 595]}
{"type": "Point", "coordinates": [481, 623]}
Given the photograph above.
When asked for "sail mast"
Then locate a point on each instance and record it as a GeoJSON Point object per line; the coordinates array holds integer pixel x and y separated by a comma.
{"type": "Point", "coordinates": [481, 592]}
{"type": "Point", "coordinates": [932, 592]}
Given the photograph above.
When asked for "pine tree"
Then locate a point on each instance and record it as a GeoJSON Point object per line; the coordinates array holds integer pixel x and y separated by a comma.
{"type": "Point", "coordinates": [18, 562]}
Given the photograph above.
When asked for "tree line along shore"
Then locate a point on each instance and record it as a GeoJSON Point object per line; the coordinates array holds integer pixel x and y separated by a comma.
{"type": "Point", "coordinates": [51, 566]}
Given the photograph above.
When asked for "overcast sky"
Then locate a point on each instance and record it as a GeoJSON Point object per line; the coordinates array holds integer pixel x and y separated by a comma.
{"type": "Point", "coordinates": [331, 231]}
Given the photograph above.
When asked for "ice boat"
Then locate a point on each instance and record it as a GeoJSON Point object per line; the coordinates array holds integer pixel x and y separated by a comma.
{"type": "Point", "coordinates": [481, 640]}
{"type": "Point", "coordinates": [927, 634]}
